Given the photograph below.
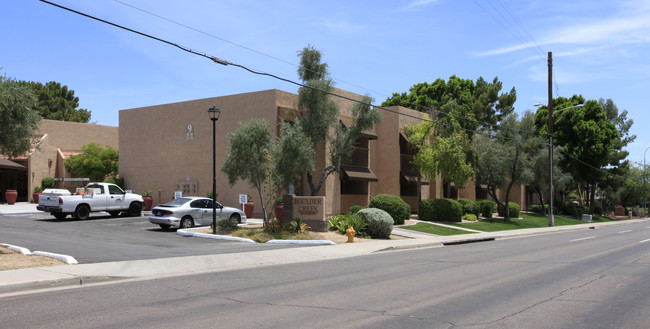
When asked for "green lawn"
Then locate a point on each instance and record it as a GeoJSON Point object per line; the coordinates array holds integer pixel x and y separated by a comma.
{"type": "Point", "coordinates": [434, 229]}
{"type": "Point", "coordinates": [527, 221]}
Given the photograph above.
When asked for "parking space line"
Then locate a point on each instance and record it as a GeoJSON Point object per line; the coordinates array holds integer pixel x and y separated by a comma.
{"type": "Point", "coordinates": [589, 237]}
{"type": "Point", "coordinates": [646, 240]}
{"type": "Point", "coordinates": [625, 231]}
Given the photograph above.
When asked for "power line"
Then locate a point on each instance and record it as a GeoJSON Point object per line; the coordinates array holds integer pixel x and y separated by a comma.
{"type": "Point", "coordinates": [225, 63]}
{"type": "Point", "coordinates": [408, 104]}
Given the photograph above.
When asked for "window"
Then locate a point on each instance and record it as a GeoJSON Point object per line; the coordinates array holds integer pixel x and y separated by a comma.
{"type": "Point", "coordinates": [114, 189]}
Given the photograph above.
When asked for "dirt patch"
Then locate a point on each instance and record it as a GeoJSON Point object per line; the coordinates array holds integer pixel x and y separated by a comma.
{"type": "Point", "coordinates": [12, 260]}
{"type": "Point", "coordinates": [330, 235]}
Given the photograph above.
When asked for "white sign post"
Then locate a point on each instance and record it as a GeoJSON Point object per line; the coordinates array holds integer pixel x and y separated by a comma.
{"type": "Point", "coordinates": [243, 198]}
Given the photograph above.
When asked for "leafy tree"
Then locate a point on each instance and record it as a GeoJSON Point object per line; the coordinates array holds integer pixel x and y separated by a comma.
{"type": "Point", "coordinates": [94, 162]}
{"type": "Point", "coordinates": [319, 116]}
{"type": "Point", "coordinates": [586, 136]}
{"type": "Point", "coordinates": [18, 118]}
{"type": "Point", "coordinates": [504, 161]}
{"type": "Point", "coordinates": [292, 156]}
{"type": "Point", "coordinates": [446, 153]}
{"type": "Point", "coordinates": [539, 183]}
{"type": "Point", "coordinates": [248, 157]}
{"type": "Point", "coordinates": [57, 102]}
{"type": "Point", "coordinates": [480, 102]}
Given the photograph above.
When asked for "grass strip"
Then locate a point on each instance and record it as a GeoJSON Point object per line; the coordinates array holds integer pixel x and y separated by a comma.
{"type": "Point", "coordinates": [435, 229]}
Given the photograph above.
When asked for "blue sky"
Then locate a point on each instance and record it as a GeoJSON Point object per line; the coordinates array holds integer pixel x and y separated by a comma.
{"type": "Point", "coordinates": [600, 48]}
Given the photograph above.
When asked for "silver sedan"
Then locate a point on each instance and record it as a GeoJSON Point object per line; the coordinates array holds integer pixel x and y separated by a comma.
{"type": "Point", "coordinates": [192, 211]}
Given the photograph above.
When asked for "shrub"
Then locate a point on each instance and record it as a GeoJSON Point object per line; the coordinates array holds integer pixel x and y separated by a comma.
{"type": "Point", "coordinates": [537, 208]}
{"type": "Point", "coordinates": [514, 210]}
{"type": "Point", "coordinates": [380, 224]}
{"type": "Point", "coordinates": [598, 211]}
{"type": "Point", "coordinates": [440, 210]}
{"type": "Point", "coordinates": [48, 182]}
{"type": "Point", "coordinates": [296, 226]}
{"type": "Point", "coordinates": [38, 189]}
{"type": "Point", "coordinates": [341, 223]}
{"type": "Point", "coordinates": [488, 207]}
{"type": "Point", "coordinates": [469, 217]}
{"type": "Point", "coordinates": [469, 207]}
{"type": "Point", "coordinates": [355, 209]}
{"type": "Point", "coordinates": [398, 210]}
{"type": "Point", "coordinates": [226, 225]}
{"type": "Point", "coordinates": [147, 192]}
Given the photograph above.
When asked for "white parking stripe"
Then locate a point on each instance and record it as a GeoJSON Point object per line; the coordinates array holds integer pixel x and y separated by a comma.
{"type": "Point", "coordinates": [644, 241]}
{"type": "Point", "coordinates": [589, 237]}
{"type": "Point", "coordinates": [625, 231]}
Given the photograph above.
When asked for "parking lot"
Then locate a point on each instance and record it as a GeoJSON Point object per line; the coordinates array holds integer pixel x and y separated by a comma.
{"type": "Point", "coordinates": [103, 238]}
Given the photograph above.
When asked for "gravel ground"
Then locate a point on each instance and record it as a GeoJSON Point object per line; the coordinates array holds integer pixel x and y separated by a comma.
{"type": "Point", "coordinates": [12, 260]}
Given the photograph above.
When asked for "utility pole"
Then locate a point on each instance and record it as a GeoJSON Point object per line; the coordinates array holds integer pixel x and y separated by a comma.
{"type": "Point", "coordinates": [551, 219]}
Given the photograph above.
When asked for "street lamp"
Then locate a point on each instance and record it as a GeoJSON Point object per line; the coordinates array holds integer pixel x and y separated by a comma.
{"type": "Point", "coordinates": [551, 217]}
{"type": "Point", "coordinates": [214, 113]}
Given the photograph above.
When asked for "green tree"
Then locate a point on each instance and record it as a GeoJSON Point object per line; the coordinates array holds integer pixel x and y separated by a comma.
{"type": "Point", "coordinates": [57, 102]}
{"type": "Point", "coordinates": [586, 136]}
{"type": "Point", "coordinates": [18, 118]}
{"type": "Point", "coordinates": [319, 116]}
{"type": "Point", "coordinates": [442, 149]}
{"type": "Point", "coordinates": [504, 160]}
{"type": "Point", "coordinates": [539, 183]}
{"type": "Point", "coordinates": [480, 102]}
{"type": "Point", "coordinates": [94, 162]}
{"type": "Point", "coordinates": [248, 157]}
{"type": "Point", "coordinates": [292, 155]}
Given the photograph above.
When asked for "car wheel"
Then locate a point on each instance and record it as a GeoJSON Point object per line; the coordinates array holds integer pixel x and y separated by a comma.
{"type": "Point", "coordinates": [235, 218]}
{"type": "Point", "coordinates": [186, 222]}
{"type": "Point", "coordinates": [82, 212]}
{"type": "Point", "coordinates": [114, 213]}
{"type": "Point", "coordinates": [135, 209]}
{"type": "Point", "coordinates": [60, 216]}
{"type": "Point", "coordinates": [164, 226]}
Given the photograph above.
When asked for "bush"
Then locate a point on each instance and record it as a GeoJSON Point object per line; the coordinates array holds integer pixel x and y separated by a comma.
{"type": "Point", "coordinates": [226, 225]}
{"type": "Point", "coordinates": [296, 226]}
{"type": "Point", "coordinates": [398, 210]}
{"type": "Point", "coordinates": [537, 208]}
{"type": "Point", "coordinates": [380, 224]}
{"type": "Point", "coordinates": [355, 209]}
{"type": "Point", "coordinates": [48, 182]}
{"type": "Point", "coordinates": [470, 217]}
{"type": "Point", "coordinates": [447, 210]}
{"type": "Point", "coordinates": [598, 211]}
{"type": "Point", "coordinates": [488, 207]}
{"type": "Point", "coordinates": [341, 223]}
{"type": "Point", "coordinates": [514, 210]}
{"type": "Point", "coordinates": [470, 207]}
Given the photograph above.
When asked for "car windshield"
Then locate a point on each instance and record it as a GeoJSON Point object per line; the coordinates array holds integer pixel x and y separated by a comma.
{"type": "Point", "coordinates": [176, 202]}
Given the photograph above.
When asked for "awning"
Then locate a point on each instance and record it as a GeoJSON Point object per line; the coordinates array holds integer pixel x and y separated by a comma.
{"type": "Point", "coordinates": [8, 164]}
{"type": "Point", "coordinates": [411, 177]}
{"type": "Point", "coordinates": [360, 174]}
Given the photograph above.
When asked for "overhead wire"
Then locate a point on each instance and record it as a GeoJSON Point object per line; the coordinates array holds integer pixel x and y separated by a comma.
{"type": "Point", "coordinates": [226, 63]}
{"type": "Point", "coordinates": [402, 103]}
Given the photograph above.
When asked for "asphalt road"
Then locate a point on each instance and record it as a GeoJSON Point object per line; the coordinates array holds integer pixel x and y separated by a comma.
{"type": "Point", "coordinates": [103, 238]}
{"type": "Point", "coordinates": [579, 279]}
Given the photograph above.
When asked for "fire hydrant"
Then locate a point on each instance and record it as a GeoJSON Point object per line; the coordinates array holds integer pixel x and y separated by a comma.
{"type": "Point", "coordinates": [350, 232]}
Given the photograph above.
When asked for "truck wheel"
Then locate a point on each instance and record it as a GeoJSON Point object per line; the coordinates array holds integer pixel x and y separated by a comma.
{"type": "Point", "coordinates": [135, 209]}
{"type": "Point", "coordinates": [60, 216]}
{"type": "Point", "coordinates": [186, 222]}
{"type": "Point", "coordinates": [82, 212]}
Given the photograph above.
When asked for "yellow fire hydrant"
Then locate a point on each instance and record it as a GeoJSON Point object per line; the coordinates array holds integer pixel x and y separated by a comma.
{"type": "Point", "coordinates": [350, 233]}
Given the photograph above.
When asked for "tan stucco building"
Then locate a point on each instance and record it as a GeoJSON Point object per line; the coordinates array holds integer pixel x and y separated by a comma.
{"type": "Point", "coordinates": [168, 148]}
{"type": "Point", "coordinates": [52, 143]}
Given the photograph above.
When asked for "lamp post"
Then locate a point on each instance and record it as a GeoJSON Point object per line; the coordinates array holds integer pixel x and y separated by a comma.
{"type": "Point", "coordinates": [214, 113]}
{"type": "Point", "coordinates": [551, 217]}
{"type": "Point", "coordinates": [645, 207]}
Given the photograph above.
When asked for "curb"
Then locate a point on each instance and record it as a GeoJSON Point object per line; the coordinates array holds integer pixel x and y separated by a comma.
{"type": "Point", "coordinates": [64, 258]}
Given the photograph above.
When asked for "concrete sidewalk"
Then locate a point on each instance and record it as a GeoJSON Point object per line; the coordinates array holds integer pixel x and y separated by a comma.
{"type": "Point", "coordinates": [20, 281]}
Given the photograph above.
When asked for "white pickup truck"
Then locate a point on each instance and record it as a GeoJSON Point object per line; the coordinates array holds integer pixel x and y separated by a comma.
{"type": "Point", "coordinates": [92, 198]}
